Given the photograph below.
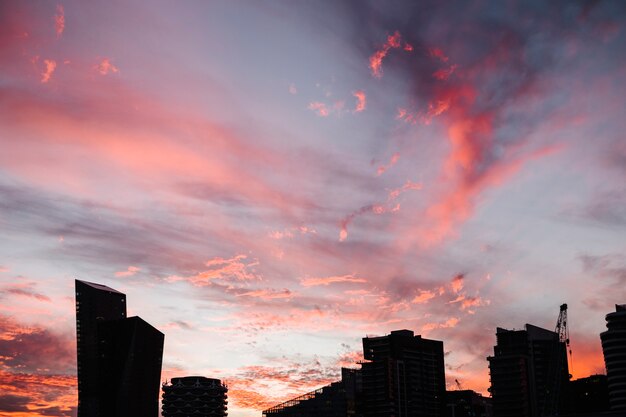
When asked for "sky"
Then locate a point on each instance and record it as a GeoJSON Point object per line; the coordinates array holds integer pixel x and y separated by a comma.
{"type": "Point", "coordinates": [270, 182]}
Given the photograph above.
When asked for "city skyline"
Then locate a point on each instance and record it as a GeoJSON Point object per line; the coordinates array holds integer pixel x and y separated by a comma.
{"type": "Point", "coordinates": [271, 182]}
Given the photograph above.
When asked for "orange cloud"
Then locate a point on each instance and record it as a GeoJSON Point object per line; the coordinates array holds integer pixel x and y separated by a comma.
{"type": "Point", "coordinates": [312, 282]}
{"type": "Point", "coordinates": [423, 297]}
{"type": "Point", "coordinates": [59, 20]}
{"type": "Point", "coordinates": [457, 283]}
{"type": "Point", "coordinates": [106, 67]}
{"type": "Point", "coordinates": [361, 100]}
{"type": "Point", "coordinates": [50, 66]}
{"type": "Point", "coordinates": [132, 270]}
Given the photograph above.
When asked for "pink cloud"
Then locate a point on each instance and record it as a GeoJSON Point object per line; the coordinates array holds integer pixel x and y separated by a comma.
{"type": "Point", "coordinates": [231, 269]}
{"type": "Point", "coordinates": [292, 89]}
{"type": "Point", "coordinates": [130, 271]}
{"type": "Point", "coordinates": [383, 168]}
{"type": "Point", "coordinates": [312, 282]}
{"type": "Point", "coordinates": [451, 322]}
{"type": "Point", "coordinates": [106, 67]}
{"type": "Point", "coordinates": [361, 100]}
{"type": "Point", "coordinates": [25, 290]}
{"type": "Point", "coordinates": [267, 294]}
{"type": "Point", "coordinates": [59, 20]}
{"type": "Point", "coordinates": [319, 108]}
{"type": "Point", "coordinates": [4, 269]}
{"type": "Point", "coordinates": [50, 66]}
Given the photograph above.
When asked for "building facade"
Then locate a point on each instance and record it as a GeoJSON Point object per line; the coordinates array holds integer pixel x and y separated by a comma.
{"type": "Point", "coordinates": [529, 373]}
{"type": "Point", "coordinates": [339, 399]}
{"type": "Point", "coordinates": [467, 403]}
{"type": "Point", "coordinates": [614, 349]}
{"type": "Point", "coordinates": [403, 376]}
{"type": "Point", "coordinates": [586, 395]}
{"type": "Point", "coordinates": [119, 358]}
{"type": "Point", "coordinates": [195, 396]}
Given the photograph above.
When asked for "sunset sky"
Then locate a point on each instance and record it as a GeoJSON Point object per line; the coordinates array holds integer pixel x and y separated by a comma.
{"type": "Point", "coordinates": [269, 182]}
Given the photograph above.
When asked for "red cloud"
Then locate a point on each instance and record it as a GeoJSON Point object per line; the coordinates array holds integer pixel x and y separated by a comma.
{"type": "Point", "coordinates": [376, 59]}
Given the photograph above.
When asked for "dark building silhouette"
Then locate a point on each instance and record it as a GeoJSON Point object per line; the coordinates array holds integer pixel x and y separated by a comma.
{"type": "Point", "coordinates": [614, 349]}
{"type": "Point", "coordinates": [339, 399]}
{"type": "Point", "coordinates": [195, 396]}
{"type": "Point", "coordinates": [403, 376]}
{"type": "Point", "coordinates": [119, 358]}
{"type": "Point", "coordinates": [467, 403]}
{"type": "Point", "coordinates": [528, 373]}
{"type": "Point", "coordinates": [588, 394]}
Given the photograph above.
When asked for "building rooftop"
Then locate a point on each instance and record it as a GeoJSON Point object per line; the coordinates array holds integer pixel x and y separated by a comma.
{"type": "Point", "coordinates": [99, 286]}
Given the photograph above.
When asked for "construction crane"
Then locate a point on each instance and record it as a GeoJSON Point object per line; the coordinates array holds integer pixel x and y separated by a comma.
{"type": "Point", "coordinates": [563, 331]}
{"type": "Point", "coordinates": [459, 387]}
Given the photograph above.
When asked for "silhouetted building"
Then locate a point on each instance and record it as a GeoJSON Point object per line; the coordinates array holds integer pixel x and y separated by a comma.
{"type": "Point", "coordinates": [467, 403]}
{"type": "Point", "coordinates": [528, 373]}
{"type": "Point", "coordinates": [195, 396]}
{"type": "Point", "coordinates": [339, 399]}
{"type": "Point", "coordinates": [614, 349]}
{"type": "Point", "coordinates": [119, 358]}
{"type": "Point", "coordinates": [403, 376]}
{"type": "Point", "coordinates": [588, 394]}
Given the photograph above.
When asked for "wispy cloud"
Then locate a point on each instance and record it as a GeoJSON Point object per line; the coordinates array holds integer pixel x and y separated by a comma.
{"type": "Point", "coordinates": [316, 281]}
{"type": "Point", "coordinates": [130, 271]}
{"type": "Point", "coordinates": [59, 20]}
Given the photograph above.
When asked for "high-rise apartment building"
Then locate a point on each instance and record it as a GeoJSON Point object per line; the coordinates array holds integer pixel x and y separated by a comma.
{"type": "Point", "coordinates": [195, 396]}
{"type": "Point", "coordinates": [339, 399]}
{"type": "Point", "coordinates": [614, 349]}
{"type": "Point", "coordinates": [529, 373]}
{"type": "Point", "coordinates": [403, 376]}
{"type": "Point", "coordinates": [119, 358]}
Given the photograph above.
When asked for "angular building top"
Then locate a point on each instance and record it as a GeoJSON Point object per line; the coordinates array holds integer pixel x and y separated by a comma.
{"type": "Point", "coordinates": [118, 358]}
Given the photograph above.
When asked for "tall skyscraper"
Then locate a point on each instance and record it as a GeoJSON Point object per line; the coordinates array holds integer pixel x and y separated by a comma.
{"type": "Point", "coordinates": [614, 349]}
{"type": "Point", "coordinates": [195, 396]}
{"type": "Point", "coordinates": [119, 358]}
{"type": "Point", "coordinates": [403, 376]}
{"type": "Point", "coordinates": [528, 373]}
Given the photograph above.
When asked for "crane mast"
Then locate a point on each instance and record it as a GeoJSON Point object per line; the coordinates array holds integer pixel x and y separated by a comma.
{"type": "Point", "coordinates": [563, 331]}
